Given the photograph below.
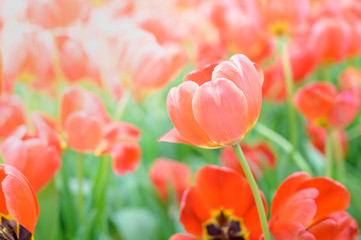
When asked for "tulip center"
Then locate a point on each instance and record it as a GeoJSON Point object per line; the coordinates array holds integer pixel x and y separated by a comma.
{"type": "Point", "coordinates": [11, 230]}
{"type": "Point", "coordinates": [278, 28]}
{"type": "Point", "coordinates": [224, 226]}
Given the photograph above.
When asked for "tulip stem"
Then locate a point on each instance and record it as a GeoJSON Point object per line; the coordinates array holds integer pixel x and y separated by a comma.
{"type": "Point", "coordinates": [255, 190]}
{"type": "Point", "coordinates": [80, 187]}
{"type": "Point", "coordinates": [121, 106]}
{"type": "Point", "coordinates": [283, 143]}
{"type": "Point", "coordinates": [329, 157]}
{"type": "Point", "coordinates": [290, 88]}
{"type": "Point", "coordinates": [338, 156]}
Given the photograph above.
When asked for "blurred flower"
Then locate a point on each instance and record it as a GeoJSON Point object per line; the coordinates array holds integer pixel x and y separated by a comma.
{"type": "Point", "coordinates": [169, 175]}
{"type": "Point", "coordinates": [19, 210]}
{"type": "Point", "coordinates": [210, 54]}
{"type": "Point", "coordinates": [145, 66]}
{"type": "Point", "coordinates": [75, 61]}
{"type": "Point", "coordinates": [350, 77]}
{"type": "Point", "coordinates": [317, 136]}
{"type": "Point", "coordinates": [82, 116]}
{"type": "Point", "coordinates": [12, 114]}
{"type": "Point", "coordinates": [55, 13]}
{"type": "Point", "coordinates": [202, 108]}
{"type": "Point", "coordinates": [281, 16]}
{"type": "Point", "coordinates": [241, 18]}
{"type": "Point", "coordinates": [305, 208]}
{"type": "Point", "coordinates": [259, 157]}
{"type": "Point", "coordinates": [1, 73]}
{"type": "Point", "coordinates": [36, 155]}
{"type": "Point", "coordinates": [331, 36]}
{"type": "Point", "coordinates": [28, 56]}
{"type": "Point", "coordinates": [219, 206]}
{"type": "Point", "coordinates": [324, 106]}
{"type": "Point", "coordinates": [120, 140]}
{"type": "Point", "coordinates": [89, 129]}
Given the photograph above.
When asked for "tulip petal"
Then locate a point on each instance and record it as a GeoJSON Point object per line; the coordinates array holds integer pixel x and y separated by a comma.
{"type": "Point", "coordinates": [286, 230]}
{"type": "Point", "coordinates": [83, 132]}
{"type": "Point", "coordinates": [20, 199]}
{"type": "Point", "coordinates": [180, 236]}
{"type": "Point", "coordinates": [248, 77]}
{"type": "Point", "coordinates": [328, 189]}
{"type": "Point", "coordinates": [179, 105]}
{"type": "Point", "coordinates": [125, 157]}
{"type": "Point", "coordinates": [220, 108]}
{"type": "Point", "coordinates": [201, 76]}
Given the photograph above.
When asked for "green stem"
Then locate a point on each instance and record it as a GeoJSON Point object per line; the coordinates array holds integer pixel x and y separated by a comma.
{"type": "Point", "coordinates": [338, 156]}
{"type": "Point", "coordinates": [255, 191]}
{"type": "Point", "coordinates": [121, 106]}
{"type": "Point", "coordinates": [284, 144]}
{"type": "Point", "coordinates": [329, 157]}
{"type": "Point", "coordinates": [80, 187]}
{"type": "Point", "coordinates": [290, 88]}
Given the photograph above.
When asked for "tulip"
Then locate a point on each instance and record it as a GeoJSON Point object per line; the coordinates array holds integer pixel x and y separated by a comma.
{"type": "Point", "coordinates": [54, 13]}
{"type": "Point", "coordinates": [321, 104]}
{"type": "Point", "coordinates": [281, 16]}
{"type": "Point", "coordinates": [145, 66]}
{"type": "Point", "coordinates": [37, 155]}
{"type": "Point", "coordinates": [82, 117]}
{"type": "Point", "coordinates": [120, 141]}
{"type": "Point", "coordinates": [332, 36]}
{"type": "Point", "coordinates": [28, 57]}
{"type": "Point", "coordinates": [318, 135]}
{"type": "Point", "coordinates": [1, 73]}
{"type": "Point", "coordinates": [259, 157]}
{"type": "Point", "coordinates": [216, 108]}
{"type": "Point", "coordinates": [19, 210]}
{"type": "Point", "coordinates": [219, 206]}
{"type": "Point", "coordinates": [166, 174]}
{"type": "Point", "coordinates": [304, 208]}
{"type": "Point", "coordinates": [12, 114]}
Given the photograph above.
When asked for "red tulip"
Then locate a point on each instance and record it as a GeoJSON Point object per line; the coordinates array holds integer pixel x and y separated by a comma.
{"type": "Point", "coordinates": [120, 141]}
{"type": "Point", "coordinates": [167, 174]}
{"type": "Point", "coordinates": [18, 204]}
{"type": "Point", "coordinates": [303, 208]}
{"type": "Point", "coordinates": [82, 118]}
{"type": "Point", "coordinates": [219, 204]}
{"type": "Point", "coordinates": [331, 36]}
{"type": "Point", "coordinates": [204, 114]}
{"type": "Point", "coordinates": [12, 114]}
{"type": "Point", "coordinates": [317, 136]}
{"type": "Point", "coordinates": [258, 156]}
{"type": "Point", "coordinates": [37, 155]}
{"type": "Point", "coordinates": [321, 104]}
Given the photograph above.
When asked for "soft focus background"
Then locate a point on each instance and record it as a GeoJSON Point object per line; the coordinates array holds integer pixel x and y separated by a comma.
{"type": "Point", "coordinates": [125, 56]}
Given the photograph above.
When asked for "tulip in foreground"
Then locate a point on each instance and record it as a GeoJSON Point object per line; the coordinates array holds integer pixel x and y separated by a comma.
{"type": "Point", "coordinates": [219, 206]}
{"type": "Point", "coordinates": [311, 208]}
{"type": "Point", "coordinates": [216, 106]}
{"type": "Point", "coordinates": [19, 210]}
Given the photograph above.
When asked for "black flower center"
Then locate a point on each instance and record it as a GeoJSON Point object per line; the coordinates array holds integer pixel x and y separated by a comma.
{"type": "Point", "coordinates": [224, 226]}
{"type": "Point", "coordinates": [11, 230]}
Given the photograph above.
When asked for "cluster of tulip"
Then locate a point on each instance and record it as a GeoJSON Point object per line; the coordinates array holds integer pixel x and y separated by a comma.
{"type": "Point", "coordinates": [83, 87]}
